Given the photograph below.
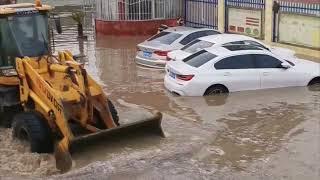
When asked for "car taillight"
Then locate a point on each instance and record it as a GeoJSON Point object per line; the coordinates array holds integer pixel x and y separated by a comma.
{"type": "Point", "coordinates": [161, 53]}
{"type": "Point", "coordinates": [185, 77]}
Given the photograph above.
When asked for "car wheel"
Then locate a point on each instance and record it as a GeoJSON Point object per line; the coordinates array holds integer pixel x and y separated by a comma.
{"type": "Point", "coordinates": [215, 90]}
{"type": "Point", "coordinates": [314, 82]}
{"type": "Point", "coordinates": [314, 85]}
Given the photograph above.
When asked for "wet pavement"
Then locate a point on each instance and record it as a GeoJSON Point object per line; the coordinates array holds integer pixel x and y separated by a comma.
{"type": "Point", "coordinates": [265, 134]}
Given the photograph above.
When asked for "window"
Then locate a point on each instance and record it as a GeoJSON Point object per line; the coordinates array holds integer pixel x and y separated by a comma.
{"type": "Point", "coordinates": [165, 9]}
{"type": "Point", "coordinates": [19, 35]}
{"type": "Point", "coordinates": [165, 37]}
{"type": "Point", "coordinates": [210, 32]}
{"type": "Point", "coordinates": [254, 43]}
{"type": "Point", "coordinates": [233, 43]}
{"type": "Point", "coordinates": [241, 47]}
{"type": "Point", "coordinates": [200, 58]}
{"type": "Point", "coordinates": [266, 61]}
{"type": "Point", "coordinates": [236, 62]}
{"type": "Point", "coordinates": [163, 33]}
{"type": "Point", "coordinates": [138, 10]}
{"type": "Point", "coordinates": [159, 9]}
{"type": "Point", "coordinates": [197, 35]}
{"type": "Point", "coordinates": [291, 63]}
{"type": "Point", "coordinates": [196, 45]}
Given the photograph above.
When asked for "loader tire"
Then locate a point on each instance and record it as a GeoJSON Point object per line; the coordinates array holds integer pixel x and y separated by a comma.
{"type": "Point", "coordinates": [31, 127]}
{"type": "Point", "coordinates": [114, 113]}
{"type": "Point", "coordinates": [6, 117]}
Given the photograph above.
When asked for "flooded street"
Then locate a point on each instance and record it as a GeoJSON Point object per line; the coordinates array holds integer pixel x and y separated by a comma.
{"type": "Point", "coordinates": [266, 134]}
{"type": "Point", "coordinates": [254, 134]}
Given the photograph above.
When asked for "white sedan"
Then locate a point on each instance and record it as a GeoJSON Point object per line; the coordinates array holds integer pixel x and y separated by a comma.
{"type": "Point", "coordinates": [236, 68]}
{"type": "Point", "coordinates": [225, 39]}
{"type": "Point", "coordinates": [153, 52]}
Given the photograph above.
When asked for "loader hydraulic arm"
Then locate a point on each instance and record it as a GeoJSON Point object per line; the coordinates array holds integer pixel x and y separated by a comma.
{"type": "Point", "coordinates": [48, 103]}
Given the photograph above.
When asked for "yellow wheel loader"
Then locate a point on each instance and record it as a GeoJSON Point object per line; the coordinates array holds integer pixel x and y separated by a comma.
{"type": "Point", "coordinates": [43, 97]}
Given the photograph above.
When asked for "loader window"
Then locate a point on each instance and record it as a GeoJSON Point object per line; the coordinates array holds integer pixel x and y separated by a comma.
{"type": "Point", "coordinates": [5, 60]}
{"type": "Point", "coordinates": [23, 36]}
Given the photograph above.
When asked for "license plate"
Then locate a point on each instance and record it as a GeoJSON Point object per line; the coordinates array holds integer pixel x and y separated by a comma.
{"type": "Point", "coordinates": [147, 54]}
{"type": "Point", "coordinates": [173, 75]}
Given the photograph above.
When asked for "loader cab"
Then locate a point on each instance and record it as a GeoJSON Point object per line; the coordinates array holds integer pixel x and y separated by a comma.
{"type": "Point", "coordinates": [23, 34]}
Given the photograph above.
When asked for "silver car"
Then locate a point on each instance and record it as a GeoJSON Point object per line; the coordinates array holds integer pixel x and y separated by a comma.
{"type": "Point", "coordinates": [153, 52]}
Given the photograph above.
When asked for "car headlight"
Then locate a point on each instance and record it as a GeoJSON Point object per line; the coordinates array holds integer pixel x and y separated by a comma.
{"type": "Point", "coordinates": [8, 72]}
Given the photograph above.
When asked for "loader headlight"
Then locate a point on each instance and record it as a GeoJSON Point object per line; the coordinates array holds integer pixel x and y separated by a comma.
{"type": "Point", "coordinates": [8, 72]}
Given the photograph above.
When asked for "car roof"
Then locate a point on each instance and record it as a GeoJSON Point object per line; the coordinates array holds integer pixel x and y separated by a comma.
{"type": "Point", "coordinates": [185, 30]}
{"type": "Point", "coordinates": [233, 50]}
{"type": "Point", "coordinates": [225, 38]}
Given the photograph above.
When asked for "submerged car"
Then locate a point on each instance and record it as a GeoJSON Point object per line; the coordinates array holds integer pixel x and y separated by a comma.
{"type": "Point", "coordinates": [236, 68]}
{"type": "Point", "coordinates": [153, 52]}
{"type": "Point", "coordinates": [225, 39]}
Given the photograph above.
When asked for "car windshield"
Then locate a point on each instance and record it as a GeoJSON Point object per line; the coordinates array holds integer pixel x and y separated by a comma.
{"type": "Point", "coordinates": [23, 36]}
{"type": "Point", "coordinates": [165, 37]}
{"type": "Point", "coordinates": [196, 46]}
{"type": "Point", "coordinates": [200, 58]}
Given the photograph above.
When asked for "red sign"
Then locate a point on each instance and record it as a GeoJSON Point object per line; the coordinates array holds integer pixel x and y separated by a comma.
{"type": "Point", "coordinates": [252, 21]}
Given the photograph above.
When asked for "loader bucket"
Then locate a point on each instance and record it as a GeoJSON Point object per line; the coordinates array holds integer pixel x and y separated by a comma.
{"type": "Point", "coordinates": [149, 126]}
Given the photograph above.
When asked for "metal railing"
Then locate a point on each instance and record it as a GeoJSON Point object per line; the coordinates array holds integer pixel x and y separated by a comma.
{"type": "Point", "coordinates": [135, 10]}
{"type": "Point", "coordinates": [201, 13]}
{"type": "Point", "coordinates": [300, 7]}
{"type": "Point", "coordinates": [254, 4]}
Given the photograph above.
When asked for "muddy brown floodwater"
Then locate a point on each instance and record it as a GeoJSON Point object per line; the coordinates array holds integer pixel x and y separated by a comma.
{"type": "Point", "coordinates": [267, 134]}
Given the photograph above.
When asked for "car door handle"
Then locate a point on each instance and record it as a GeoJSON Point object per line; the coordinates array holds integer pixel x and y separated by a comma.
{"type": "Point", "coordinates": [265, 73]}
{"type": "Point", "coordinates": [227, 74]}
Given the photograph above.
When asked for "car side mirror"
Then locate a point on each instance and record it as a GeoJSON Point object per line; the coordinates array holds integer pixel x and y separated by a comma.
{"type": "Point", "coordinates": [58, 24]}
{"type": "Point", "coordinates": [285, 66]}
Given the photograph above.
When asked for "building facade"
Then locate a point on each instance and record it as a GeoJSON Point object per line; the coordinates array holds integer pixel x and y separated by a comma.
{"type": "Point", "coordinates": [294, 22]}
{"type": "Point", "coordinates": [136, 17]}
